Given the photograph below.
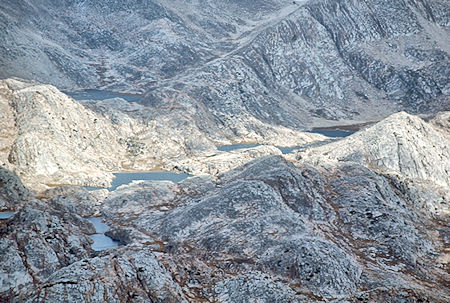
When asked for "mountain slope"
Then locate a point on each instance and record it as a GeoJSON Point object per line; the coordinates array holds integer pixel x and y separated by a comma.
{"type": "Point", "coordinates": [326, 60]}
{"type": "Point", "coordinates": [81, 44]}
{"type": "Point", "coordinates": [296, 64]}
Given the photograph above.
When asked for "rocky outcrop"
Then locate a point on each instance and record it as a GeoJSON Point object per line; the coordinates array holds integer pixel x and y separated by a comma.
{"type": "Point", "coordinates": [401, 144]}
{"type": "Point", "coordinates": [132, 274]}
{"type": "Point", "coordinates": [57, 140]}
{"type": "Point", "coordinates": [12, 192]}
{"type": "Point", "coordinates": [37, 241]}
{"type": "Point", "coordinates": [75, 199]}
{"type": "Point", "coordinates": [50, 139]}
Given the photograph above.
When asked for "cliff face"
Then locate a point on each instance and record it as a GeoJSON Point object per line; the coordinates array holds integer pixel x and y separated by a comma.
{"type": "Point", "coordinates": [294, 64]}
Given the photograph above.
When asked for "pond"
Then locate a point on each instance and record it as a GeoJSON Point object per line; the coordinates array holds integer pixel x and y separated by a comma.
{"type": "Point", "coordinates": [329, 132]}
{"type": "Point", "coordinates": [332, 133]}
{"type": "Point", "coordinates": [94, 94]}
{"type": "Point", "coordinates": [228, 148]}
{"type": "Point", "coordinates": [126, 178]}
{"type": "Point", "coordinates": [101, 241]}
{"type": "Point", "coordinates": [6, 214]}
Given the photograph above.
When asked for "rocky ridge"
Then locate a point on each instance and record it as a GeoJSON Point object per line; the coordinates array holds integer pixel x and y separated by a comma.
{"type": "Point", "coordinates": [327, 230]}
{"type": "Point", "coordinates": [402, 144]}
{"type": "Point", "coordinates": [49, 139]}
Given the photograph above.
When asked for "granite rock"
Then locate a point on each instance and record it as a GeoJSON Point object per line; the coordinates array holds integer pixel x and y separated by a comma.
{"type": "Point", "coordinates": [402, 144]}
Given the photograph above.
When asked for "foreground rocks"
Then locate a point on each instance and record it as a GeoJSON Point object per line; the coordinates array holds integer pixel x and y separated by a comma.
{"type": "Point", "coordinates": [127, 275]}
{"type": "Point", "coordinates": [12, 192]}
{"type": "Point", "coordinates": [323, 228]}
{"type": "Point", "coordinates": [37, 241]}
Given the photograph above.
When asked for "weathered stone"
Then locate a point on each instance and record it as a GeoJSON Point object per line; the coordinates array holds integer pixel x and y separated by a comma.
{"type": "Point", "coordinates": [37, 241]}
{"type": "Point", "coordinates": [133, 275]}
{"type": "Point", "coordinates": [12, 192]}
{"type": "Point", "coordinates": [401, 144]}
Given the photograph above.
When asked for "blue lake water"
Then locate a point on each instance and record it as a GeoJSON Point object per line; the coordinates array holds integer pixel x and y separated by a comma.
{"type": "Point", "coordinates": [101, 241]}
{"type": "Point", "coordinates": [228, 148]}
{"type": "Point", "coordinates": [6, 214]}
{"type": "Point", "coordinates": [100, 227]}
{"type": "Point", "coordinates": [332, 133]}
{"type": "Point", "coordinates": [94, 94]}
{"type": "Point", "coordinates": [126, 178]}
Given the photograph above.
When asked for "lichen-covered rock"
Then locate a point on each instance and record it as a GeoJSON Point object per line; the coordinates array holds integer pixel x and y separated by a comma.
{"type": "Point", "coordinates": [37, 241]}
{"type": "Point", "coordinates": [127, 275]}
{"type": "Point", "coordinates": [12, 192]}
{"type": "Point", "coordinates": [331, 226]}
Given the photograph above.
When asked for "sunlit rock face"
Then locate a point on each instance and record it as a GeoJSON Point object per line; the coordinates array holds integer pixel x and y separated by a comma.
{"type": "Point", "coordinates": [401, 144]}
{"type": "Point", "coordinates": [55, 139]}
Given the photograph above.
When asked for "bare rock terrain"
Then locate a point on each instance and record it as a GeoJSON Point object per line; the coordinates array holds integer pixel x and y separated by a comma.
{"type": "Point", "coordinates": [363, 218]}
{"type": "Point", "coordinates": [321, 229]}
{"type": "Point", "coordinates": [50, 139]}
{"type": "Point", "coordinates": [239, 64]}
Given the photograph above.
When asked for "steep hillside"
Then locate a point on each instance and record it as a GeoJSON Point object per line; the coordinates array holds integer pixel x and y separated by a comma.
{"type": "Point", "coordinates": [326, 60]}
{"type": "Point", "coordinates": [292, 63]}
{"type": "Point", "coordinates": [123, 45]}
